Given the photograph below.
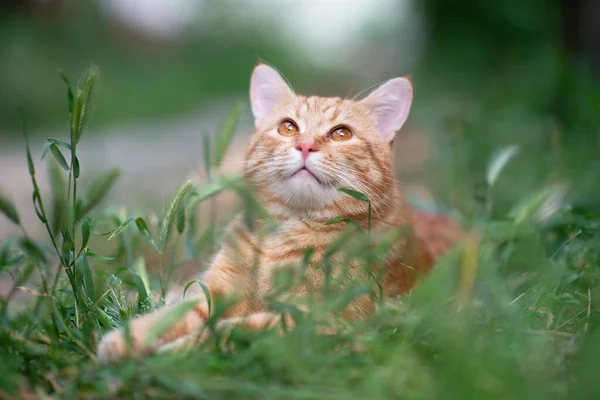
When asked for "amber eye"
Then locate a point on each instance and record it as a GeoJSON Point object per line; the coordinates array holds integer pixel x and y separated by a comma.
{"type": "Point", "coordinates": [287, 128]}
{"type": "Point", "coordinates": [341, 134]}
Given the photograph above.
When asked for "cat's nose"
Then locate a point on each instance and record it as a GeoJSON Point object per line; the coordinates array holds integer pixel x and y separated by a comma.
{"type": "Point", "coordinates": [305, 148]}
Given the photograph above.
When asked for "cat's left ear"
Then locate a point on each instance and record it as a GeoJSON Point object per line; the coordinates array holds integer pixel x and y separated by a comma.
{"type": "Point", "coordinates": [267, 90]}
{"type": "Point", "coordinates": [389, 105]}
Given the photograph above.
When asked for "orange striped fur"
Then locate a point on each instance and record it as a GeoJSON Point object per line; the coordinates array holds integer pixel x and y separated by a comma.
{"type": "Point", "coordinates": [297, 178]}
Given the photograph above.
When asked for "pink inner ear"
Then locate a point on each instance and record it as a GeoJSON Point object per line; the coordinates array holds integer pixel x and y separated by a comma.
{"type": "Point", "coordinates": [389, 105]}
{"type": "Point", "coordinates": [267, 90]}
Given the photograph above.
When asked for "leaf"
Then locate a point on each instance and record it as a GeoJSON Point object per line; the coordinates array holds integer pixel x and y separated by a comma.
{"type": "Point", "coordinates": [45, 150]}
{"type": "Point", "coordinates": [37, 205]}
{"type": "Point", "coordinates": [145, 232]}
{"type": "Point", "coordinates": [181, 218]}
{"type": "Point", "coordinates": [498, 162]}
{"type": "Point", "coordinates": [4, 253]}
{"type": "Point", "coordinates": [140, 268]}
{"type": "Point", "coordinates": [207, 296]}
{"type": "Point", "coordinates": [170, 216]}
{"type": "Point", "coordinates": [81, 104]}
{"type": "Point", "coordinates": [68, 246]}
{"type": "Point", "coordinates": [32, 250]}
{"type": "Point", "coordinates": [226, 134]}
{"type": "Point", "coordinates": [58, 319]}
{"type": "Point", "coordinates": [468, 269]}
{"type": "Point", "coordinates": [540, 205]}
{"type": "Point", "coordinates": [175, 314]}
{"type": "Point", "coordinates": [58, 190]}
{"type": "Point", "coordinates": [348, 296]}
{"type": "Point", "coordinates": [98, 190]}
{"type": "Point", "coordinates": [355, 194]}
{"type": "Point", "coordinates": [190, 247]}
{"type": "Point", "coordinates": [76, 168]}
{"type": "Point", "coordinates": [568, 298]}
{"type": "Point", "coordinates": [339, 242]}
{"type": "Point", "coordinates": [69, 92]}
{"type": "Point", "coordinates": [207, 191]}
{"type": "Point", "coordinates": [59, 157]}
{"type": "Point", "coordinates": [8, 209]}
{"type": "Point", "coordinates": [85, 233]}
{"type": "Point", "coordinates": [138, 283]}
{"type": "Point", "coordinates": [94, 255]}
{"type": "Point", "coordinates": [206, 150]}
{"type": "Point", "coordinates": [185, 289]}
{"type": "Point", "coordinates": [30, 165]}
{"type": "Point", "coordinates": [83, 275]}
{"type": "Point", "coordinates": [59, 142]}
{"type": "Point", "coordinates": [120, 228]}
{"type": "Point", "coordinates": [307, 255]}
{"type": "Point", "coordinates": [571, 278]}
{"type": "Point", "coordinates": [335, 220]}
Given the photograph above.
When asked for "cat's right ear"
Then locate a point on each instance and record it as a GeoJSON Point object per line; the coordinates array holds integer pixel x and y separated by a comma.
{"type": "Point", "coordinates": [267, 90]}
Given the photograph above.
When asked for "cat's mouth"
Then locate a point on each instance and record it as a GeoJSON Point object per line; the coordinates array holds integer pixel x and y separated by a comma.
{"type": "Point", "coordinates": [306, 172]}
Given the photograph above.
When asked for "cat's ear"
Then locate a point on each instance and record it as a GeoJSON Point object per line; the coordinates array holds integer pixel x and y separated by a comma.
{"type": "Point", "coordinates": [389, 105]}
{"type": "Point", "coordinates": [267, 90]}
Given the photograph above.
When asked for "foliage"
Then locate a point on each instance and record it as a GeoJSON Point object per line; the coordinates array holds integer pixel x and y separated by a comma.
{"type": "Point", "coordinates": [511, 313]}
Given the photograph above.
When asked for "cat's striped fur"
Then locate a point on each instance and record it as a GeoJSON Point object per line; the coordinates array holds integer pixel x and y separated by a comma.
{"type": "Point", "coordinates": [302, 202]}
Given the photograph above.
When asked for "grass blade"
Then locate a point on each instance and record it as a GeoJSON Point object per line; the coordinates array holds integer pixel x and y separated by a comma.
{"type": "Point", "coordinates": [76, 168]}
{"type": "Point", "coordinates": [120, 228]}
{"type": "Point", "coordinates": [58, 190]}
{"type": "Point", "coordinates": [206, 151]}
{"type": "Point", "coordinates": [176, 314]}
{"type": "Point", "coordinates": [145, 232]}
{"type": "Point", "coordinates": [69, 92]}
{"type": "Point", "coordinates": [85, 233]}
{"type": "Point", "coordinates": [8, 209]}
{"type": "Point", "coordinates": [185, 289]}
{"type": "Point", "coordinates": [355, 194]}
{"type": "Point", "coordinates": [207, 296]}
{"type": "Point", "coordinates": [142, 271]}
{"type": "Point", "coordinates": [59, 157]}
{"type": "Point", "coordinates": [335, 220]}
{"type": "Point", "coordinates": [206, 192]}
{"type": "Point", "coordinates": [171, 215]}
{"type": "Point", "coordinates": [181, 219]}
{"type": "Point", "coordinates": [498, 162]}
{"type": "Point", "coordinates": [59, 142]}
{"type": "Point", "coordinates": [81, 104]}
{"type": "Point", "coordinates": [84, 277]}
{"type": "Point", "coordinates": [226, 134]}
{"type": "Point", "coordinates": [98, 191]}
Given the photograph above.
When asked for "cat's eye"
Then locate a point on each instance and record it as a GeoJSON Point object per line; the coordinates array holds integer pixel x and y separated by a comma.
{"type": "Point", "coordinates": [340, 134]}
{"type": "Point", "coordinates": [287, 128]}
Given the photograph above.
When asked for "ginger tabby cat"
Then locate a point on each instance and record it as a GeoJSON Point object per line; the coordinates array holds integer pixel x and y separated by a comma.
{"type": "Point", "coordinates": [303, 150]}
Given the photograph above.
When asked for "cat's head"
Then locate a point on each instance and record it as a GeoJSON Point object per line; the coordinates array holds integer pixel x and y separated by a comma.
{"type": "Point", "coordinates": [306, 148]}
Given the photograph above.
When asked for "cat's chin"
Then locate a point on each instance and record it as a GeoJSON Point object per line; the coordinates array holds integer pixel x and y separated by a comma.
{"type": "Point", "coordinates": [305, 176]}
{"type": "Point", "coordinates": [303, 191]}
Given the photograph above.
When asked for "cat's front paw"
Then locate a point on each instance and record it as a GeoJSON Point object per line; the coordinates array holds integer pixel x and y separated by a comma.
{"type": "Point", "coordinates": [114, 347]}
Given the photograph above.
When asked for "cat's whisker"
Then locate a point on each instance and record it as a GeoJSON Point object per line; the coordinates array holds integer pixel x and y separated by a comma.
{"type": "Point", "coordinates": [358, 174]}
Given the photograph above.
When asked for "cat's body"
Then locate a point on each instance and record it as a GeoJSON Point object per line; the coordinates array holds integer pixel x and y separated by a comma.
{"type": "Point", "coordinates": [303, 151]}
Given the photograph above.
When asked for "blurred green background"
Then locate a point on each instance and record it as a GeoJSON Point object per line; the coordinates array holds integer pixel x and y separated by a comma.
{"type": "Point", "coordinates": [486, 75]}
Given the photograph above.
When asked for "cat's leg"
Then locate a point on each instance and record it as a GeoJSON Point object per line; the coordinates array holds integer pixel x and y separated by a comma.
{"type": "Point", "coordinates": [222, 279]}
{"type": "Point", "coordinates": [114, 345]}
{"type": "Point", "coordinates": [252, 322]}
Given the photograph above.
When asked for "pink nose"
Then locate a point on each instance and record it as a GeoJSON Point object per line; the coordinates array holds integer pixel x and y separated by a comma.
{"type": "Point", "coordinates": [305, 148]}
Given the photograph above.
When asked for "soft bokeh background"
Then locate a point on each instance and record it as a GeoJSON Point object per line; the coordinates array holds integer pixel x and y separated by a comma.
{"type": "Point", "coordinates": [513, 315]}
{"type": "Point", "coordinates": [486, 75]}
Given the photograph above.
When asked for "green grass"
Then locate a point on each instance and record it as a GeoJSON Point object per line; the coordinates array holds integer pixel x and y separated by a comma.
{"type": "Point", "coordinates": [510, 314]}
